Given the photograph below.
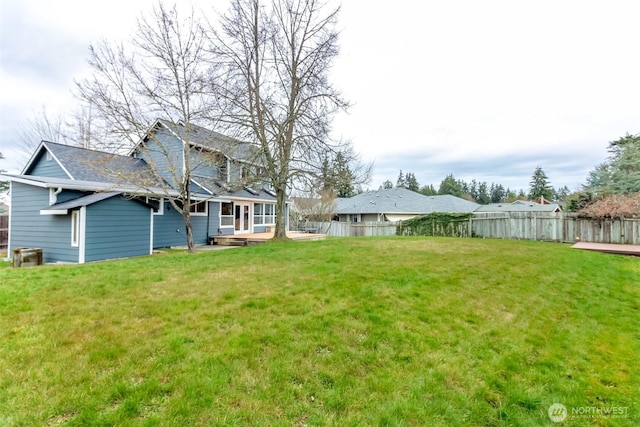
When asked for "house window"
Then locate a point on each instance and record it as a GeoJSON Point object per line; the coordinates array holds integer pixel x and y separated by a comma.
{"type": "Point", "coordinates": [198, 208]}
{"type": "Point", "coordinates": [264, 214]}
{"type": "Point", "coordinates": [355, 218]}
{"type": "Point", "coordinates": [75, 228]}
{"type": "Point", "coordinates": [258, 214]}
{"type": "Point", "coordinates": [226, 214]}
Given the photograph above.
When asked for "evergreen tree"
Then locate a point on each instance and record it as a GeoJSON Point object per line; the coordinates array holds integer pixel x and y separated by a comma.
{"type": "Point", "coordinates": [401, 183]}
{"type": "Point", "coordinates": [483, 196]}
{"type": "Point", "coordinates": [561, 193]}
{"type": "Point", "coordinates": [387, 185]}
{"type": "Point", "coordinates": [620, 174]}
{"type": "Point", "coordinates": [498, 193]}
{"type": "Point", "coordinates": [344, 177]}
{"type": "Point", "coordinates": [539, 185]}
{"type": "Point", "coordinates": [428, 190]}
{"type": "Point", "coordinates": [471, 189]}
{"type": "Point", "coordinates": [411, 182]}
{"type": "Point", "coordinates": [336, 177]}
{"type": "Point", "coordinates": [450, 185]}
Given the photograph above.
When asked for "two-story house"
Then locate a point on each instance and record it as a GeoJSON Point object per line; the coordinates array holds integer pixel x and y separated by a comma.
{"type": "Point", "coordinates": [82, 205]}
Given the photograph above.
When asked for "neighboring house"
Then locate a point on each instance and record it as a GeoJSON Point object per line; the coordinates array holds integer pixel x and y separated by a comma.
{"type": "Point", "coordinates": [519, 206]}
{"type": "Point", "coordinates": [4, 208]}
{"type": "Point", "coordinates": [82, 205]}
{"type": "Point", "coordinates": [304, 209]}
{"type": "Point", "coordinates": [397, 204]}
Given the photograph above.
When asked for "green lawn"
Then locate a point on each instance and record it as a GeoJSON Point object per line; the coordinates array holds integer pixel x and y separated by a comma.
{"type": "Point", "coordinates": [370, 331]}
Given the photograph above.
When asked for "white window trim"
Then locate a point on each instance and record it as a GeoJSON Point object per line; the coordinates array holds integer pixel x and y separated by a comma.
{"type": "Point", "coordinates": [264, 215]}
{"type": "Point", "coordinates": [75, 228]}
{"type": "Point", "coordinates": [206, 208]}
{"type": "Point", "coordinates": [232, 216]}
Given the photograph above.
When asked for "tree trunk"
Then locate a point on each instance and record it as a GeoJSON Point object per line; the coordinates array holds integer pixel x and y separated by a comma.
{"type": "Point", "coordinates": [189, 229]}
{"type": "Point", "coordinates": [281, 214]}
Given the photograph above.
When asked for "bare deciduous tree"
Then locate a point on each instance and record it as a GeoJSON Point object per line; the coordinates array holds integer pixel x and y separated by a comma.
{"type": "Point", "coordinates": [4, 185]}
{"type": "Point", "coordinates": [163, 73]}
{"type": "Point", "coordinates": [274, 84]}
{"type": "Point", "coordinates": [41, 126]}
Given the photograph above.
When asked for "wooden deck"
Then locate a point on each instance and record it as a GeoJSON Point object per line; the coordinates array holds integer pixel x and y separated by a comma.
{"type": "Point", "coordinates": [609, 248]}
{"type": "Point", "coordinates": [258, 238]}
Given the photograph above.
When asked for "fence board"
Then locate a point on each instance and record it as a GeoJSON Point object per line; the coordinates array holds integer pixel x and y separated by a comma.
{"type": "Point", "coordinates": [4, 231]}
{"type": "Point", "coordinates": [556, 227]}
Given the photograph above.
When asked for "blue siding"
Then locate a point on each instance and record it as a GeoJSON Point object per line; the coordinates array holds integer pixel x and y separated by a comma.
{"type": "Point", "coordinates": [169, 228]}
{"type": "Point", "coordinates": [116, 228]}
{"type": "Point", "coordinates": [29, 229]}
{"type": "Point", "coordinates": [203, 164]}
{"type": "Point", "coordinates": [43, 167]}
{"type": "Point", "coordinates": [214, 221]}
{"type": "Point", "coordinates": [164, 153]}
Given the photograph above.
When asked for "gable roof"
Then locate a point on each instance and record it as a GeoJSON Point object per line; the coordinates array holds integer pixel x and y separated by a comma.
{"type": "Point", "coordinates": [205, 138]}
{"type": "Point", "coordinates": [84, 164]}
{"type": "Point", "coordinates": [402, 201]}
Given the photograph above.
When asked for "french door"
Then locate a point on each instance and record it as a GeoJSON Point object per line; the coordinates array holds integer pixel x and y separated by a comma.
{"type": "Point", "coordinates": [242, 222]}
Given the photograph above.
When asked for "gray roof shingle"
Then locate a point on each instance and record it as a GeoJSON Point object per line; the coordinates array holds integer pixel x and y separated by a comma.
{"type": "Point", "coordinates": [198, 135]}
{"type": "Point", "coordinates": [91, 165]}
{"type": "Point", "coordinates": [518, 207]}
{"type": "Point", "coordinates": [402, 201]}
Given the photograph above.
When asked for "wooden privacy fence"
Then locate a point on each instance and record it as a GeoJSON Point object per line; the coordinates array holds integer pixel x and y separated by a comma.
{"type": "Point", "coordinates": [556, 227]}
{"type": "Point", "coordinates": [4, 232]}
{"type": "Point", "coordinates": [355, 229]}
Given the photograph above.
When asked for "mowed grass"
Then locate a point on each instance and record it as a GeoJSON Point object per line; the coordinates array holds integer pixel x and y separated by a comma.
{"type": "Point", "coordinates": [371, 331]}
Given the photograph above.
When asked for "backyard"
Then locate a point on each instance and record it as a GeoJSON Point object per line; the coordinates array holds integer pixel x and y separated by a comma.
{"type": "Point", "coordinates": [396, 331]}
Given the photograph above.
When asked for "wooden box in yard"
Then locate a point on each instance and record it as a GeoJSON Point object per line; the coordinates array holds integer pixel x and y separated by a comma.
{"type": "Point", "coordinates": [27, 257]}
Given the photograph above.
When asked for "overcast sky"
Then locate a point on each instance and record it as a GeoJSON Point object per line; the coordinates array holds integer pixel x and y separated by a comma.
{"type": "Point", "coordinates": [478, 89]}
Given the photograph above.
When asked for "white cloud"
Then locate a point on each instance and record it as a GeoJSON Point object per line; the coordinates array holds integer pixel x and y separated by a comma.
{"type": "Point", "coordinates": [481, 89]}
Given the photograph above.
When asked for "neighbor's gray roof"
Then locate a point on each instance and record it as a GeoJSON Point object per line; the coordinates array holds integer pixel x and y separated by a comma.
{"type": "Point", "coordinates": [198, 135]}
{"type": "Point", "coordinates": [518, 206]}
{"type": "Point", "coordinates": [402, 201]}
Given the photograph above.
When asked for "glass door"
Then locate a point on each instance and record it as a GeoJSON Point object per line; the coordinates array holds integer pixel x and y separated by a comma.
{"type": "Point", "coordinates": [242, 218]}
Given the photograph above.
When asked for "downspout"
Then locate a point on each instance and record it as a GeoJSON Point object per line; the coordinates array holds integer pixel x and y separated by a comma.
{"type": "Point", "coordinates": [53, 197]}
{"type": "Point", "coordinates": [11, 205]}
